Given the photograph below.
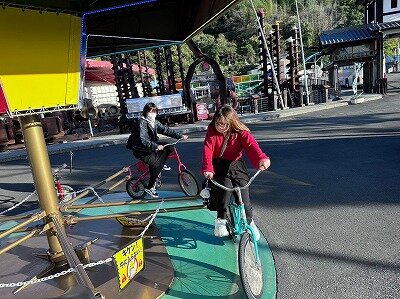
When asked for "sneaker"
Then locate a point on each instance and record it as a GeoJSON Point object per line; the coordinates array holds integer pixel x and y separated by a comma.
{"type": "Point", "coordinates": [166, 167]}
{"type": "Point", "coordinates": [220, 228]}
{"type": "Point", "coordinates": [256, 231]}
{"type": "Point", "coordinates": [152, 192]}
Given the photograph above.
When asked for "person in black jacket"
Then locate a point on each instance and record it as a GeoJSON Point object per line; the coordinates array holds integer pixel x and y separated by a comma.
{"type": "Point", "coordinates": [144, 144]}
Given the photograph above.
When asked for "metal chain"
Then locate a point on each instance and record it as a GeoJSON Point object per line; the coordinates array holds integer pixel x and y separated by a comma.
{"type": "Point", "coordinates": [56, 275]}
{"type": "Point", "coordinates": [83, 190]}
{"type": "Point", "coordinates": [153, 216]}
{"type": "Point", "coordinates": [18, 204]}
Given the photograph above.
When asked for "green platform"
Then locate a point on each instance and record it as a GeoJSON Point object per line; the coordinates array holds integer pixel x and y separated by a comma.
{"type": "Point", "coordinates": [206, 266]}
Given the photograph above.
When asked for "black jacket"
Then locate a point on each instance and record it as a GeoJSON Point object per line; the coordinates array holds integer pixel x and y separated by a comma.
{"type": "Point", "coordinates": [143, 139]}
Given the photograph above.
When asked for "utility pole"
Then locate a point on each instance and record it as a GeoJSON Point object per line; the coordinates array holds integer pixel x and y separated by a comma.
{"type": "Point", "coordinates": [302, 55]}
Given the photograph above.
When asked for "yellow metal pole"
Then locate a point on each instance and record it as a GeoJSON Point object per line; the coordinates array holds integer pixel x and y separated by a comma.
{"type": "Point", "coordinates": [42, 178]}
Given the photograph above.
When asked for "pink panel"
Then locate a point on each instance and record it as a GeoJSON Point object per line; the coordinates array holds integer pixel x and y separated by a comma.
{"type": "Point", "coordinates": [3, 102]}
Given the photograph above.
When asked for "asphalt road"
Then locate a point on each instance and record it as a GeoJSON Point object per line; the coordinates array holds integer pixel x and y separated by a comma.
{"type": "Point", "coordinates": [328, 206]}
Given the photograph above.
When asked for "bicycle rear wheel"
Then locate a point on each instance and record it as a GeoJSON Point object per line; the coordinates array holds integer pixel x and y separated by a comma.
{"type": "Point", "coordinates": [135, 188]}
{"type": "Point", "coordinates": [251, 273]}
{"type": "Point", "coordinates": [188, 183]}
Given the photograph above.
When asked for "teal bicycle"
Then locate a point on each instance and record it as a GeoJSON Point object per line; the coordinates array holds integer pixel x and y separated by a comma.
{"type": "Point", "coordinates": [250, 267]}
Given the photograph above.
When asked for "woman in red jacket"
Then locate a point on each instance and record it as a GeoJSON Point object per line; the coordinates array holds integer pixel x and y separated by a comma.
{"type": "Point", "coordinates": [224, 143]}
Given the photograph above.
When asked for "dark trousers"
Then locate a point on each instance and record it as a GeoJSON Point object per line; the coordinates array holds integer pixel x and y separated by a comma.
{"type": "Point", "coordinates": [232, 174]}
{"type": "Point", "coordinates": [156, 161]}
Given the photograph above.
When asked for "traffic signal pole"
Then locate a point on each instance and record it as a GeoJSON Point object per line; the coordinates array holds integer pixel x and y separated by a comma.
{"type": "Point", "coordinates": [302, 56]}
{"type": "Point", "coordinates": [278, 90]}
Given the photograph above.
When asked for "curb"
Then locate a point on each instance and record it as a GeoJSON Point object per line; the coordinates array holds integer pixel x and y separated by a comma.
{"type": "Point", "coordinates": [200, 126]}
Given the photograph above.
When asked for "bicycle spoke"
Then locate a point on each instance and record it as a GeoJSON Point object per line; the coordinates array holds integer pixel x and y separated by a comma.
{"type": "Point", "coordinates": [251, 272]}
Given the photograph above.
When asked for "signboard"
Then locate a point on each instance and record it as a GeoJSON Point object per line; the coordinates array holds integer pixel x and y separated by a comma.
{"type": "Point", "coordinates": [205, 77]}
{"type": "Point", "coordinates": [349, 53]}
{"type": "Point", "coordinates": [40, 54]}
{"type": "Point", "coordinates": [162, 102]}
{"type": "Point", "coordinates": [202, 111]}
{"type": "Point", "coordinates": [129, 261]}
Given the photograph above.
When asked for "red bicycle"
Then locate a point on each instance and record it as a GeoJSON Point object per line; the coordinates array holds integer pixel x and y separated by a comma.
{"type": "Point", "coordinates": [139, 175]}
{"type": "Point", "coordinates": [64, 192]}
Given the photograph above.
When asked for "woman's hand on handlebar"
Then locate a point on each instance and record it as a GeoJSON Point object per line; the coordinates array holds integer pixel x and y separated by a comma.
{"type": "Point", "coordinates": [208, 175]}
{"type": "Point", "coordinates": [160, 147]}
{"type": "Point", "coordinates": [264, 164]}
{"type": "Point", "coordinates": [185, 137]}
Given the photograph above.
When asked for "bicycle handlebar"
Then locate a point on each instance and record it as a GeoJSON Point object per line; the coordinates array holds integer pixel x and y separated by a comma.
{"type": "Point", "coordinates": [57, 170]}
{"type": "Point", "coordinates": [236, 188]}
{"type": "Point", "coordinates": [173, 143]}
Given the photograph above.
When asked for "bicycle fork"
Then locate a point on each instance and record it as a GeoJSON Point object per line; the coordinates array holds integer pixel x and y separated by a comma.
{"type": "Point", "coordinates": [254, 242]}
{"type": "Point", "coordinates": [246, 226]}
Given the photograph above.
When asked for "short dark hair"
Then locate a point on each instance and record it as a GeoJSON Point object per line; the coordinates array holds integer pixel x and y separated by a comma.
{"type": "Point", "coordinates": [149, 107]}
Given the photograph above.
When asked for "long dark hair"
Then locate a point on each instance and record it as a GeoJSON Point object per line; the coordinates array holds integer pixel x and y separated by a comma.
{"type": "Point", "coordinates": [149, 107]}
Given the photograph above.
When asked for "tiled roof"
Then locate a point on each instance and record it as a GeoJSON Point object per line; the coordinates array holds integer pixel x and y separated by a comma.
{"type": "Point", "coordinates": [349, 34]}
{"type": "Point", "coordinates": [389, 25]}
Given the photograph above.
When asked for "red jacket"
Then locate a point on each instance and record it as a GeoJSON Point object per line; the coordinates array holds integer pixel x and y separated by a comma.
{"type": "Point", "coordinates": [242, 140]}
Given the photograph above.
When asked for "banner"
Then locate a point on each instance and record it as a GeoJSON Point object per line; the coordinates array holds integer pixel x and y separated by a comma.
{"type": "Point", "coordinates": [202, 111]}
{"type": "Point", "coordinates": [3, 101]}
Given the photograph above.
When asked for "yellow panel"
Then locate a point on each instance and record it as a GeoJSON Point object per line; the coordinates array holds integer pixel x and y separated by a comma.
{"type": "Point", "coordinates": [39, 58]}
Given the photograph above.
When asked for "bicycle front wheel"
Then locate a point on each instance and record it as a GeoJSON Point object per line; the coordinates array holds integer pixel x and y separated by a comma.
{"type": "Point", "coordinates": [68, 193]}
{"type": "Point", "coordinates": [251, 273]}
{"type": "Point", "coordinates": [188, 183]}
{"type": "Point", "coordinates": [135, 188]}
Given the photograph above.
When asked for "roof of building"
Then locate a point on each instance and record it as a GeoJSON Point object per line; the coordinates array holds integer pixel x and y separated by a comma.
{"type": "Point", "coordinates": [389, 25]}
{"type": "Point", "coordinates": [348, 35]}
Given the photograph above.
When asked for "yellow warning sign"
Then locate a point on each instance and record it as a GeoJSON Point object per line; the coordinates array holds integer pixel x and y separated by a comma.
{"type": "Point", "coordinates": [129, 262]}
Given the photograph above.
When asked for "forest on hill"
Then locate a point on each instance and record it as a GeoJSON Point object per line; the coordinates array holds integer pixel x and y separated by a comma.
{"type": "Point", "coordinates": [232, 40]}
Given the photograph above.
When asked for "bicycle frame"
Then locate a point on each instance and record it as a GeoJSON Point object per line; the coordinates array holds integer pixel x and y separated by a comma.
{"type": "Point", "coordinates": [57, 181]}
{"type": "Point", "coordinates": [175, 156]}
{"type": "Point", "coordinates": [59, 189]}
{"type": "Point", "coordinates": [240, 225]}
{"type": "Point", "coordinates": [142, 169]}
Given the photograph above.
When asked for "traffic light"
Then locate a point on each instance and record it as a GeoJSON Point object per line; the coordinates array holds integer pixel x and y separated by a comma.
{"type": "Point", "coordinates": [277, 53]}
{"type": "Point", "coordinates": [293, 83]}
{"type": "Point", "coordinates": [293, 65]}
{"type": "Point", "coordinates": [277, 41]}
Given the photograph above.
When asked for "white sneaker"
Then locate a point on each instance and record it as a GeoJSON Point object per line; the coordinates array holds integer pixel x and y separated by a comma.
{"type": "Point", "coordinates": [166, 167]}
{"type": "Point", "coordinates": [220, 228]}
{"type": "Point", "coordinates": [152, 192]}
{"type": "Point", "coordinates": [256, 231]}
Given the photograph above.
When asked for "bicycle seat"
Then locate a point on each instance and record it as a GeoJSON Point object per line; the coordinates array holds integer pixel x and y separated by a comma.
{"type": "Point", "coordinates": [76, 292]}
